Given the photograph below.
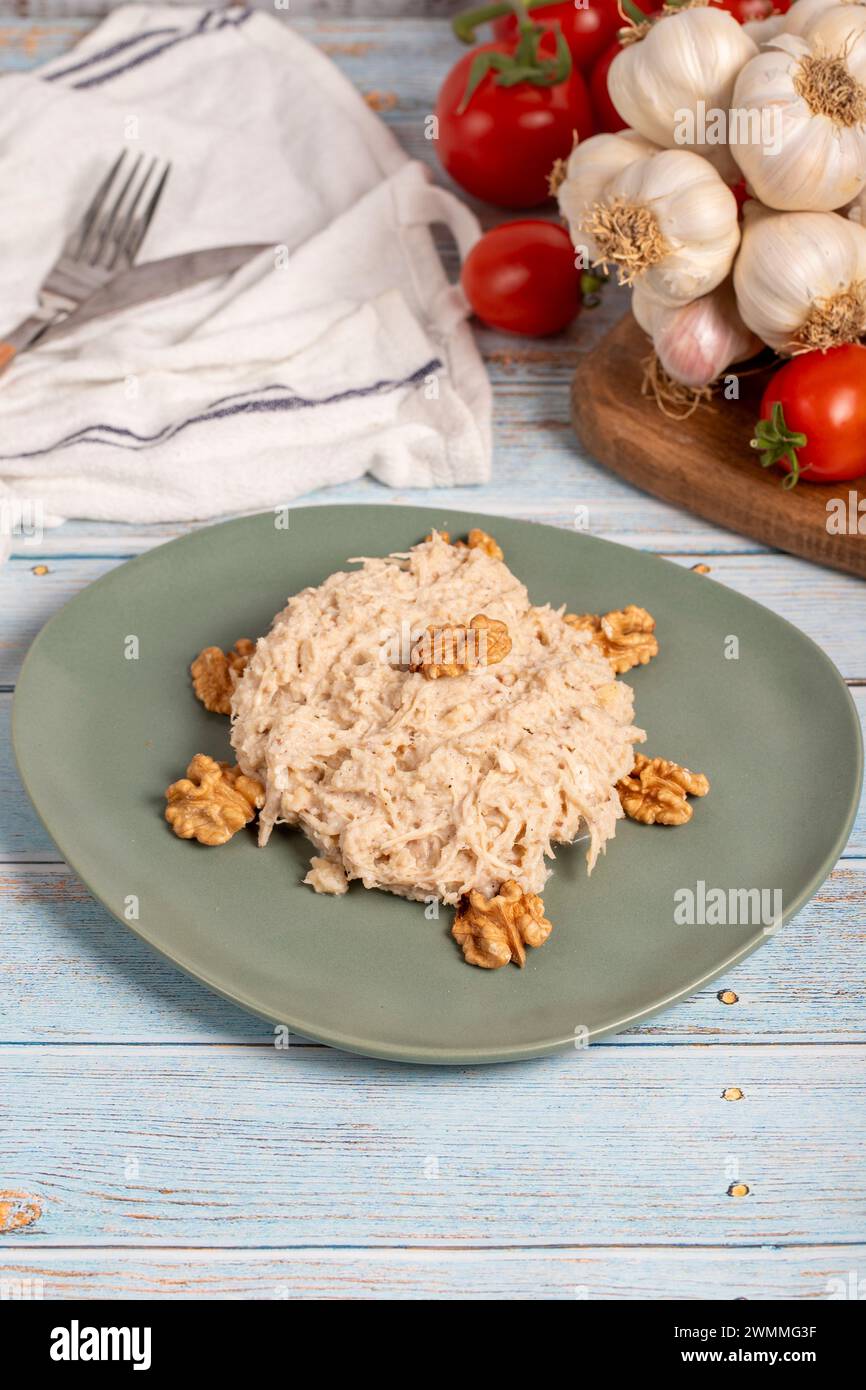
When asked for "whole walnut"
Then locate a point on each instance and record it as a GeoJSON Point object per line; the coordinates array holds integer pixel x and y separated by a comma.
{"type": "Point", "coordinates": [495, 931]}
{"type": "Point", "coordinates": [213, 802]}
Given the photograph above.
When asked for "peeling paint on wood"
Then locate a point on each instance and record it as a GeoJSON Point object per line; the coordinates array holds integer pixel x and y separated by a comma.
{"type": "Point", "coordinates": [629, 1146]}
{"type": "Point", "coordinates": [17, 1211]}
{"type": "Point", "coordinates": [346, 50]}
{"type": "Point", "coordinates": [380, 101]}
{"type": "Point", "coordinates": [662, 1272]}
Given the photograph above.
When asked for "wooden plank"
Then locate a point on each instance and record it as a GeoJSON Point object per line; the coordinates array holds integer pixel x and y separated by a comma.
{"type": "Point", "coordinates": [73, 974]}
{"type": "Point", "coordinates": [25, 44]}
{"type": "Point", "coordinates": [704, 462]}
{"type": "Point", "coordinates": [615, 518]}
{"type": "Point", "coordinates": [30, 594]}
{"type": "Point", "coordinates": [828, 606]}
{"type": "Point", "coordinates": [22, 836]}
{"type": "Point", "coordinates": [809, 1272]}
{"type": "Point", "coordinates": [569, 492]}
{"type": "Point", "coordinates": [605, 1146]}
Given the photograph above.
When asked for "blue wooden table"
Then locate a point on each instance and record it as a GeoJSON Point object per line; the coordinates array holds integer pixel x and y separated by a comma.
{"type": "Point", "coordinates": [155, 1143]}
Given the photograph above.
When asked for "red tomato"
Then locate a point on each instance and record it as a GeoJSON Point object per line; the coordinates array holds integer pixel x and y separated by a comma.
{"type": "Point", "coordinates": [813, 416]}
{"type": "Point", "coordinates": [587, 31]}
{"type": "Point", "coordinates": [503, 146]}
{"type": "Point", "coordinates": [521, 277]}
{"type": "Point", "coordinates": [743, 10]}
{"type": "Point", "coordinates": [606, 115]}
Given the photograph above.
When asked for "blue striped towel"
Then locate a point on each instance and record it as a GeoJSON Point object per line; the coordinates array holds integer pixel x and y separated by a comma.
{"type": "Point", "coordinates": [342, 349]}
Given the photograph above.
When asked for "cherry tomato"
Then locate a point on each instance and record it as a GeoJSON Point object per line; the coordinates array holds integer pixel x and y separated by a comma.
{"type": "Point", "coordinates": [521, 277]}
{"type": "Point", "coordinates": [606, 115]}
{"type": "Point", "coordinates": [502, 147]}
{"type": "Point", "coordinates": [587, 31]}
{"type": "Point", "coordinates": [743, 10]}
{"type": "Point", "coordinates": [813, 416]}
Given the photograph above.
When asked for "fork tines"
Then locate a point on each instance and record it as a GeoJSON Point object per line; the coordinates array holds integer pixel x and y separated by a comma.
{"type": "Point", "coordinates": [116, 222]}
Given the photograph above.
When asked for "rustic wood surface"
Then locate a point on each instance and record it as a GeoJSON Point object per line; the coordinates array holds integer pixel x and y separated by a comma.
{"type": "Point", "coordinates": [154, 1142]}
{"type": "Point", "coordinates": [704, 461]}
{"type": "Point", "coordinates": [324, 9]}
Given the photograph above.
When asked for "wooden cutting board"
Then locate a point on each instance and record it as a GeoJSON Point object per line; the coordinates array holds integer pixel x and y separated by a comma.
{"type": "Point", "coordinates": [704, 463]}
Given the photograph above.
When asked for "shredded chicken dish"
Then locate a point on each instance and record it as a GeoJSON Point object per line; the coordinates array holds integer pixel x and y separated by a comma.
{"type": "Point", "coordinates": [425, 777]}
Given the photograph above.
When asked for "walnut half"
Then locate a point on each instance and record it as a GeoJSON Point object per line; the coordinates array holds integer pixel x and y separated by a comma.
{"type": "Point", "coordinates": [625, 635]}
{"type": "Point", "coordinates": [452, 649]}
{"type": "Point", "coordinates": [212, 802]}
{"type": "Point", "coordinates": [482, 540]}
{"type": "Point", "coordinates": [476, 540]}
{"type": "Point", "coordinates": [215, 674]}
{"type": "Point", "coordinates": [494, 931]}
{"type": "Point", "coordinates": [656, 791]}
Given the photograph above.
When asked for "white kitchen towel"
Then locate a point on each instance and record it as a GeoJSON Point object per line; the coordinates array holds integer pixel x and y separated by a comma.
{"type": "Point", "coordinates": [342, 349]}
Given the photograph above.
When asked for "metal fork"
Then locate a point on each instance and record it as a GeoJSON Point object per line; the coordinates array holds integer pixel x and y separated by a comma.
{"type": "Point", "coordinates": [105, 243]}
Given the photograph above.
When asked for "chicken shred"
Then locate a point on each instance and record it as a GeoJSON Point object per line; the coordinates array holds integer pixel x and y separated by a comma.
{"type": "Point", "coordinates": [431, 789]}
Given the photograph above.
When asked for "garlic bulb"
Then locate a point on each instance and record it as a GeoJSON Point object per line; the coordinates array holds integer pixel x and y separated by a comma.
{"type": "Point", "coordinates": [804, 12]}
{"type": "Point", "coordinates": [857, 210]}
{"type": "Point", "coordinates": [666, 84]}
{"type": "Point", "coordinates": [840, 29]}
{"type": "Point", "coordinates": [797, 124]}
{"type": "Point", "coordinates": [762, 30]}
{"type": "Point", "coordinates": [590, 167]}
{"type": "Point", "coordinates": [800, 278]}
{"type": "Point", "coordinates": [697, 341]}
{"type": "Point", "coordinates": [668, 221]}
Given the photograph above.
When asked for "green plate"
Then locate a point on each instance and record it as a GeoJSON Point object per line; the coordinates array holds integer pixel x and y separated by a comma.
{"type": "Point", "coordinates": [99, 736]}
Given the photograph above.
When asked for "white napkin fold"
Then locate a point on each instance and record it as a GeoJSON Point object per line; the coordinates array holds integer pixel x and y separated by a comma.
{"type": "Point", "coordinates": [342, 350]}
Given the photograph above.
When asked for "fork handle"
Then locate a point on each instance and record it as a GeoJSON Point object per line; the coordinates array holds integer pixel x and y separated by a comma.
{"type": "Point", "coordinates": [24, 336]}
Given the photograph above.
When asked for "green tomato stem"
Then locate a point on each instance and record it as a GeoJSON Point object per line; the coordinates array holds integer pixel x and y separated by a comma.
{"type": "Point", "coordinates": [525, 64]}
{"type": "Point", "coordinates": [465, 25]}
{"type": "Point", "coordinates": [775, 442]}
{"type": "Point", "coordinates": [629, 10]}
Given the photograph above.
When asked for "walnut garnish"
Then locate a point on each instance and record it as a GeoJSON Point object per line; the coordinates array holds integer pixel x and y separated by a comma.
{"type": "Point", "coordinates": [656, 791]}
{"type": "Point", "coordinates": [625, 636]}
{"type": "Point", "coordinates": [494, 643]}
{"type": "Point", "coordinates": [212, 802]}
{"type": "Point", "coordinates": [482, 540]}
{"type": "Point", "coordinates": [476, 540]}
{"type": "Point", "coordinates": [452, 649]}
{"type": "Point", "coordinates": [215, 674]}
{"type": "Point", "coordinates": [494, 931]}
